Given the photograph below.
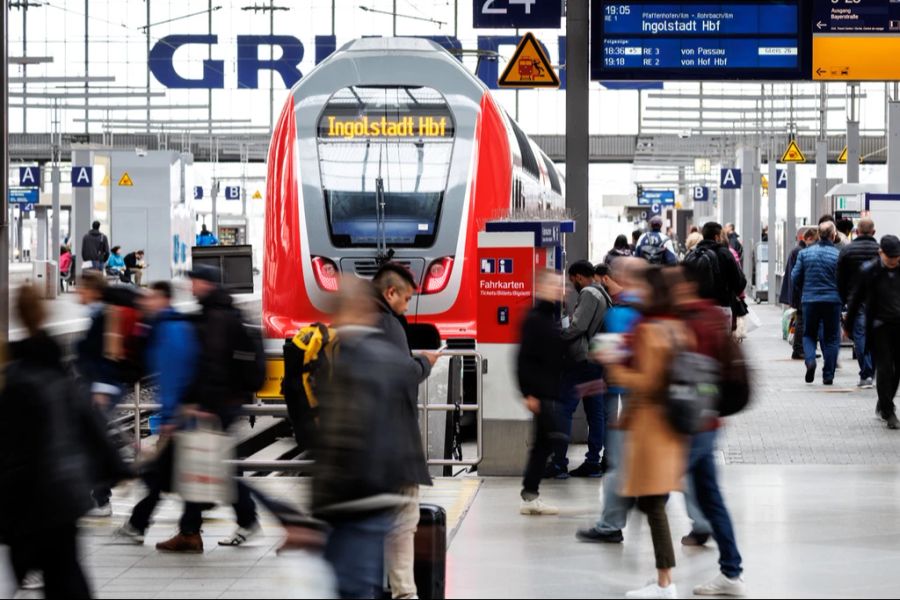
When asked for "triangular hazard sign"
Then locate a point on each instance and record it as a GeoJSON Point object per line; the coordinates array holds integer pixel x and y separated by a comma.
{"type": "Point", "coordinates": [125, 180]}
{"type": "Point", "coordinates": [530, 67]}
{"type": "Point", "coordinates": [843, 157]}
{"type": "Point", "coordinates": [257, 195]}
{"type": "Point", "coordinates": [793, 154]}
{"type": "Point", "coordinates": [105, 182]}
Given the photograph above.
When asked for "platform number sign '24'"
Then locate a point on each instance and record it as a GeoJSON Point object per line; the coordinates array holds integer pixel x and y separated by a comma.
{"type": "Point", "coordinates": [503, 14]}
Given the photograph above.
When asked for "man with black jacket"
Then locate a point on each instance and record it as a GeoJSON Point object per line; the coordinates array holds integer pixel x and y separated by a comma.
{"type": "Point", "coordinates": [720, 278]}
{"type": "Point", "coordinates": [215, 396]}
{"type": "Point", "coordinates": [879, 292]}
{"type": "Point", "coordinates": [95, 247]}
{"type": "Point", "coordinates": [791, 296]}
{"type": "Point", "coordinates": [581, 379]}
{"type": "Point", "coordinates": [861, 250]}
{"type": "Point", "coordinates": [394, 288]}
{"type": "Point", "coordinates": [540, 364]}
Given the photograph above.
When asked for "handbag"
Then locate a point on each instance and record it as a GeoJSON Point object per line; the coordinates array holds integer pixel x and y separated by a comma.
{"type": "Point", "coordinates": [201, 474]}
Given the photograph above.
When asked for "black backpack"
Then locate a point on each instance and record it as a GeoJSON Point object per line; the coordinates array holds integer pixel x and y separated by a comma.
{"type": "Point", "coordinates": [248, 360]}
{"type": "Point", "coordinates": [735, 385]}
{"type": "Point", "coordinates": [704, 262]}
{"type": "Point", "coordinates": [653, 250]}
{"type": "Point", "coordinates": [694, 391]}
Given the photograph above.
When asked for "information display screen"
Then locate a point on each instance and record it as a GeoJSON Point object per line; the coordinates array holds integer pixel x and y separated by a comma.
{"type": "Point", "coordinates": [857, 16]}
{"type": "Point", "coordinates": [703, 40]}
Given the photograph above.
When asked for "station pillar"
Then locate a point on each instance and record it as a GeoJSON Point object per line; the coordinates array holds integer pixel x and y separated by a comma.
{"type": "Point", "coordinates": [893, 147]}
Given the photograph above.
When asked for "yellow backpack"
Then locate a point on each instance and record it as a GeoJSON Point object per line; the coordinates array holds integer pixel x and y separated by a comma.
{"type": "Point", "coordinates": [308, 362]}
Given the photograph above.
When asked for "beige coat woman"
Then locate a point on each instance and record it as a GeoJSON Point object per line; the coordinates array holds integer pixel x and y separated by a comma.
{"type": "Point", "coordinates": [654, 455]}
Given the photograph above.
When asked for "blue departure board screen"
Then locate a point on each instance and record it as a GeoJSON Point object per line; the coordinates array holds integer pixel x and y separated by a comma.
{"type": "Point", "coordinates": [650, 40]}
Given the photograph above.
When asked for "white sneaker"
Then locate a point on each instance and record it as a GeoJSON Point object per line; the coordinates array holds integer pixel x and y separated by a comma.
{"type": "Point", "coordinates": [34, 580]}
{"type": "Point", "coordinates": [99, 512]}
{"type": "Point", "coordinates": [654, 591]}
{"type": "Point", "coordinates": [241, 536]}
{"type": "Point", "coordinates": [126, 534]}
{"type": "Point", "coordinates": [722, 586]}
{"type": "Point", "coordinates": [537, 507]}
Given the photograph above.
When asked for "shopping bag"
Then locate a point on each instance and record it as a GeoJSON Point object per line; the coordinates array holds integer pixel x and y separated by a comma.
{"type": "Point", "coordinates": [788, 320]}
{"type": "Point", "coordinates": [201, 474]}
{"type": "Point", "coordinates": [752, 322]}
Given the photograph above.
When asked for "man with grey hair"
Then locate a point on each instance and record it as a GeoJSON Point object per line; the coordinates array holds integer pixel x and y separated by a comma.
{"type": "Point", "coordinates": [816, 274]}
{"type": "Point", "coordinates": [863, 249]}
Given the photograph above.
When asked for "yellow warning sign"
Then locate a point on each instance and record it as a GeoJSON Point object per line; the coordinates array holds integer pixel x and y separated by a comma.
{"type": "Point", "coordinates": [105, 182]}
{"type": "Point", "coordinates": [125, 180]}
{"type": "Point", "coordinates": [257, 195]}
{"type": "Point", "coordinates": [765, 183]}
{"type": "Point", "coordinates": [843, 157]}
{"type": "Point", "coordinates": [793, 154]}
{"type": "Point", "coordinates": [530, 67]}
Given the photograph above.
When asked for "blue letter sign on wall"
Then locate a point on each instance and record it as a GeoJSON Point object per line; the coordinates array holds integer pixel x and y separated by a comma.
{"type": "Point", "coordinates": [249, 63]}
{"type": "Point", "coordinates": [731, 179]}
{"type": "Point", "coordinates": [510, 14]}
{"type": "Point", "coordinates": [162, 67]}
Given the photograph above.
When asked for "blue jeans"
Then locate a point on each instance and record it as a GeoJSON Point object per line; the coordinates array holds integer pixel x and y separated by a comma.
{"type": "Point", "coordinates": [866, 365]}
{"type": "Point", "coordinates": [615, 507]}
{"type": "Point", "coordinates": [702, 475]}
{"type": "Point", "coordinates": [355, 550]}
{"type": "Point", "coordinates": [594, 410]}
{"type": "Point", "coordinates": [828, 314]}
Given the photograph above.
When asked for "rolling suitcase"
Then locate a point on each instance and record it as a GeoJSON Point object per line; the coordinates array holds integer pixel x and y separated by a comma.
{"type": "Point", "coordinates": [431, 552]}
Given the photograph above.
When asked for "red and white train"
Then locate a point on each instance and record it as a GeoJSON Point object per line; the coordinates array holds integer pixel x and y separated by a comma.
{"type": "Point", "coordinates": [391, 149]}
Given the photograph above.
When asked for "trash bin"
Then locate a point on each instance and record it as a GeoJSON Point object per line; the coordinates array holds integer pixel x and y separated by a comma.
{"type": "Point", "coordinates": [45, 276]}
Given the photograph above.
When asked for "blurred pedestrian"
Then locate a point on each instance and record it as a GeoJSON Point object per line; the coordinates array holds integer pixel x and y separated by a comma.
{"type": "Point", "coordinates": [581, 377]}
{"type": "Point", "coordinates": [620, 248]}
{"type": "Point", "coordinates": [394, 288]}
{"type": "Point", "coordinates": [53, 446]}
{"type": "Point", "coordinates": [635, 237]}
{"type": "Point", "coordinates": [721, 278]}
{"type": "Point", "coordinates": [206, 237]}
{"type": "Point", "coordinates": [540, 366]}
{"type": "Point", "coordinates": [840, 239]}
{"type": "Point", "coordinates": [94, 248]}
{"type": "Point", "coordinates": [170, 357]}
{"type": "Point", "coordinates": [654, 454]}
{"type": "Point", "coordinates": [134, 267]}
{"type": "Point", "coordinates": [656, 248]}
{"type": "Point", "coordinates": [878, 291]}
{"type": "Point", "coordinates": [816, 273]}
{"type": "Point", "coordinates": [705, 504]}
{"type": "Point", "coordinates": [217, 396]}
{"type": "Point", "coordinates": [621, 319]}
{"type": "Point", "coordinates": [791, 293]}
{"type": "Point", "coordinates": [863, 249]}
{"type": "Point", "coordinates": [694, 238]}
{"type": "Point", "coordinates": [97, 369]}
{"type": "Point", "coordinates": [845, 232]}
{"type": "Point", "coordinates": [369, 448]}
{"type": "Point", "coordinates": [734, 240]}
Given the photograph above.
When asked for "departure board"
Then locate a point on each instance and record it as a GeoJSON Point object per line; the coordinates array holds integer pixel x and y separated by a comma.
{"type": "Point", "coordinates": [649, 39]}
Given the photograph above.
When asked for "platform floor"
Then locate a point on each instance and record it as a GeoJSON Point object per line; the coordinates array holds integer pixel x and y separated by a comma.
{"type": "Point", "coordinates": [810, 476]}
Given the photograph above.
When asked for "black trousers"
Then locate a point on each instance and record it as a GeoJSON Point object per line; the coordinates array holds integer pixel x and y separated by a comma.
{"type": "Point", "coordinates": [655, 509]}
{"type": "Point", "coordinates": [158, 479]}
{"type": "Point", "coordinates": [55, 553]}
{"type": "Point", "coordinates": [244, 508]}
{"type": "Point", "coordinates": [798, 333]}
{"type": "Point", "coordinates": [886, 344]}
{"type": "Point", "coordinates": [546, 436]}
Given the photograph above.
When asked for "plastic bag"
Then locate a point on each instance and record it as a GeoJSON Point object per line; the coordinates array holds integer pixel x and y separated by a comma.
{"type": "Point", "coordinates": [752, 322]}
{"type": "Point", "coordinates": [201, 474]}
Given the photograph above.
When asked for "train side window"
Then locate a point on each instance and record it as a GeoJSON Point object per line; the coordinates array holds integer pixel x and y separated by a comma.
{"type": "Point", "coordinates": [529, 162]}
{"type": "Point", "coordinates": [554, 176]}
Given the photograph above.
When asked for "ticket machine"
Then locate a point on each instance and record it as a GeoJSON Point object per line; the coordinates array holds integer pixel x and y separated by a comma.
{"type": "Point", "coordinates": [510, 254]}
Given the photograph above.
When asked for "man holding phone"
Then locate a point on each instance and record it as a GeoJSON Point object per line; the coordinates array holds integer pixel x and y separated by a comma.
{"type": "Point", "coordinates": [395, 287]}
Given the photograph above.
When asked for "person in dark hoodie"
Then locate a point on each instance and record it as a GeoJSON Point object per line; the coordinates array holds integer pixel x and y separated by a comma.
{"type": "Point", "coordinates": [95, 248]}
{"type": "Point", "coordinates": [53, 446]}
{"type": "Point", "coordinates": [862, 250]}
{"type": "Point", "coordinates": [170, 355]}
{"type": "Point", "coordinates": [215, 396]}
{"type": "Point", "coordinates": [790, 296]}
{"type": "Point", "coordinates": [394, 288]}
{"type": "Point", "coordinates": [540, 366]}
{"type": "Point", "coordinates": [369, 448]}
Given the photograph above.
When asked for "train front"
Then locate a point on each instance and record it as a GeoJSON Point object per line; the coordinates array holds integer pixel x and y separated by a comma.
{"type": "Point", "coordinates": [383, 152]}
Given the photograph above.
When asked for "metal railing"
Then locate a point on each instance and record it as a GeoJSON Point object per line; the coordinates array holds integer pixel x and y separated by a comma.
{"type": "Point", "coordinates": [293, 465]}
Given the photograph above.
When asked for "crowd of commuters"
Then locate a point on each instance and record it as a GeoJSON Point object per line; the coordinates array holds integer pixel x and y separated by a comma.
{"type": "Point", "coordinates": [629, 323]}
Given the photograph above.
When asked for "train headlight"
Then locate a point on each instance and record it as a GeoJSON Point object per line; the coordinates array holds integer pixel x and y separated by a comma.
{"type": "Point", "coordinates": [326, 273]}
{"type": "Point", "coordinates": [438, 276]}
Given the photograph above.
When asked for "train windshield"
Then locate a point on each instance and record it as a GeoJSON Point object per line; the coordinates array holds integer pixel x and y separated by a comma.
{"type": "Point", "coordinates": [384, 155]}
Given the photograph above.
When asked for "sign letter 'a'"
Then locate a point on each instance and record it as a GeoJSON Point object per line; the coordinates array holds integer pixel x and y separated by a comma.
{"type": "Point", "coordinates": [793, 154]}
{"type": "Point", "coordinates": [530, 67]}
{"type": "Point", "coordinates": [730, 179]}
